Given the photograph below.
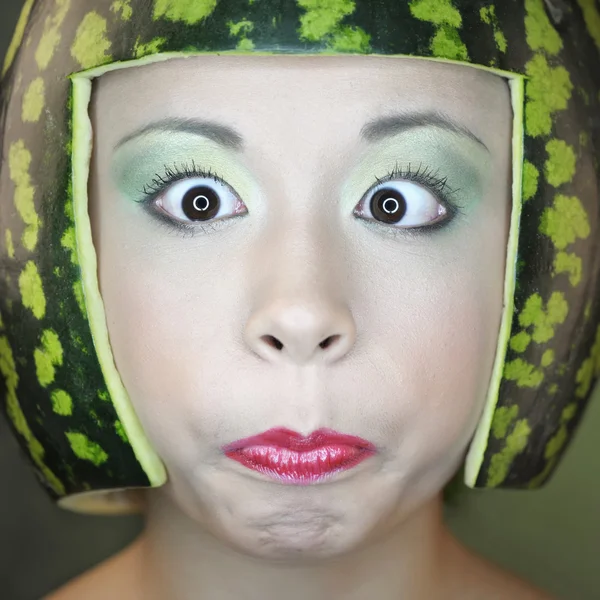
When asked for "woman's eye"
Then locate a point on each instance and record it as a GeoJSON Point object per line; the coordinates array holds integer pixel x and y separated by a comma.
{"type": "Point", "coordinates": [200, 199]}
{"type": "Point", "coordinates": [401, 203]}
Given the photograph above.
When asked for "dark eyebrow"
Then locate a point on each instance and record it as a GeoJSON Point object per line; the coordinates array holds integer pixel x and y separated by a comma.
{"type": "Point", "coordinates": [383, 127]}
{"type": "Point", "coordinates": [221, 134]}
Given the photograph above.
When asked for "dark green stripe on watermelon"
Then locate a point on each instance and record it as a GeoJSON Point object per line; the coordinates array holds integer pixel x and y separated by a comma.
{"type": "Point", "coordinates": [82, 443]}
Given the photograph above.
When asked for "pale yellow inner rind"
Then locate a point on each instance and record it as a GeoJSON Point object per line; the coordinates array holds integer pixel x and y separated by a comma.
{"type": "Point", "coordinates": [479, 443]}
{"type": "Point", "coordinates": [82, 153]}
{"type": "Point", "coordinates": [17, 37]}
{"type": "Point", "coordinates": [82, 149]}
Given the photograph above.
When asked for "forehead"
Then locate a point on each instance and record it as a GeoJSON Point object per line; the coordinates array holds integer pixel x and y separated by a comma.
{"type": "Point", "coordinates": [268, 89]}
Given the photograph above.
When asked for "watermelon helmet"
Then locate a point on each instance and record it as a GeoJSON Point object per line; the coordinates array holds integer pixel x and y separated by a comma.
{"type": "Point", "coordinates": [63, 394]}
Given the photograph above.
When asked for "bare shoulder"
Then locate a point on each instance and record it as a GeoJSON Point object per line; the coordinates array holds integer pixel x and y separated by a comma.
{"type": "Point", "coordinates": [113, 578]}
{"type": "Point", "coordinates": [497, 584]}
{"type": "Point", "coordinates": [475, 578]}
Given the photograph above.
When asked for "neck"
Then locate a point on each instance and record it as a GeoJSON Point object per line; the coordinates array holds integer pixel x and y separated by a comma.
{"type": "Point", "coordinates": [180, 560]}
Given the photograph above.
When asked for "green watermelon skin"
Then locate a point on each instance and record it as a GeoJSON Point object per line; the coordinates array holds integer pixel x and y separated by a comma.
{"type": "Point", "coordinates": [58, 402]}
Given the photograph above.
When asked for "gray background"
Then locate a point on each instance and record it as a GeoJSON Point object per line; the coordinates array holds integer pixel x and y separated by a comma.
{"type": "Point", "coordinates": [551, 536]}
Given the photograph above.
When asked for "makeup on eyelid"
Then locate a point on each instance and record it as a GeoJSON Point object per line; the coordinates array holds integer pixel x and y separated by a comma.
{"type": "Point", "coordinates": [457, 159]}
{"type": "Point", "coordinates": [439, 161]}
{"type": "Point", "coordinates": [138, 162]}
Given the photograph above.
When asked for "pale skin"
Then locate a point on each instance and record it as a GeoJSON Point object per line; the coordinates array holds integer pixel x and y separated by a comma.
{"type": "Point", "coordinates": [192, 318]}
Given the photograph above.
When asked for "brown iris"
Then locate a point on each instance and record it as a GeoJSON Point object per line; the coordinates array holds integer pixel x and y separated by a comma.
{"type": "Point", "coordinates": [200, 203]}
{"type": "Point", "coordinates": [388, 205]}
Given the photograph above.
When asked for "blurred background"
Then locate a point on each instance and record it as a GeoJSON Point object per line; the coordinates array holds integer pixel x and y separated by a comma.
{"type": "Point", "coordinates": [550, 537]}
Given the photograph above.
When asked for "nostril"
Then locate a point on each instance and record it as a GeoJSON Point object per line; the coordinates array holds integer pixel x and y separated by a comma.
{"type": "Point", "coordinates": [272, 341]}
{"type": "Point", "coordinates": [275, 343]}
{"type": "Point", "coordinates": [328, 341]}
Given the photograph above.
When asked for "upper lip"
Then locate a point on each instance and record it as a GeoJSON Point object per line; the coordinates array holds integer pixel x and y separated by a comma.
{"type": "Point", "coordinates": [292, 440]}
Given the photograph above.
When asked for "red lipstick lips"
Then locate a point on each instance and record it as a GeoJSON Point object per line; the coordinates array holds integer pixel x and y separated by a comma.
{"type": "Point", "coordinates": [292, 458]}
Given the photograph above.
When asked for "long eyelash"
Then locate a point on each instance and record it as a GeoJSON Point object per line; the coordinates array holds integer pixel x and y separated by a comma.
{"type": "Point", "coordinates": [172, 174]}
{"type": "Point", "coordinates": [428, 178]}
{"type": "Point", "coordinates": [423, 175]}
{"type": "Point", "coordinates": [161, 181]}
{"type": "Point", "coordinates": [436, 184]}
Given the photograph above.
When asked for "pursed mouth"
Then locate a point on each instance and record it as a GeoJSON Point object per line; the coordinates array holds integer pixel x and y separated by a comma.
{"type": "Point", "coordinates": [281, 437]}
{"type": "Point", "coordinates": [293, 467]}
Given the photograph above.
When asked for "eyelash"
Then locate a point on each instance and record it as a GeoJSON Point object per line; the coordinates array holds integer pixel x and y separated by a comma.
{"type": "Point", "coordinates": [423, 175]}
{"type": "Point", "coordinates": [173, 174]}
{"type": "Point", "coordinates": [430, 180]}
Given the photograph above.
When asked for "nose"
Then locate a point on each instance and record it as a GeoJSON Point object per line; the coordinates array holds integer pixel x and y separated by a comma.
{"type": "Point", "coordinates": [301, 328]}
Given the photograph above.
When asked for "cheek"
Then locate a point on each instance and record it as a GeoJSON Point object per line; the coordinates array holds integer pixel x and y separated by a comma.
{"type": "Point", "coordinates": [173, 320]}
{"type": "Point", "coordinates": [462, 341]}
{"type": "Point", "coordinates": [166, 327]}
{"type": "Point", "coordinates": [437, 322]}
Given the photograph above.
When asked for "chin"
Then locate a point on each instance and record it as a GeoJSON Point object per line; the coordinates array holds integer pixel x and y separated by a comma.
{"type": "Point", "coordinates": [315, 542]}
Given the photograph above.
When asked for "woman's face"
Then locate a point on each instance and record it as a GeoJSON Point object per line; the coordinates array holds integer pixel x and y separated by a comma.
{"type": "Point", "coordinates": [304, 243]}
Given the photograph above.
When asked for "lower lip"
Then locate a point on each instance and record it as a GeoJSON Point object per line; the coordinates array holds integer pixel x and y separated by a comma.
{"type": "Point", "coordinates": [300, 468]}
